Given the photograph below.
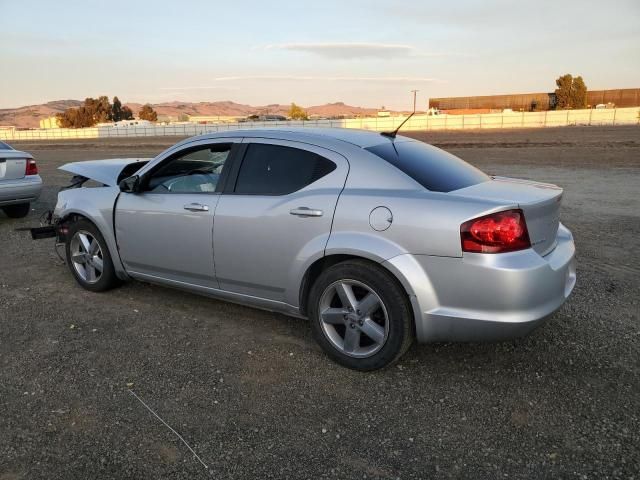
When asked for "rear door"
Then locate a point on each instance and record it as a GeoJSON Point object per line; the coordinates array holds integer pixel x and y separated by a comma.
{"type": "Point", "coordinates": [165, 232]}
{"type": "Point", "coordinates": [275, 213]}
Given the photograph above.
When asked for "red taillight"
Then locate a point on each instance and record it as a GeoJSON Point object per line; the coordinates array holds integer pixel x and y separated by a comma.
{"type": "Point", "coordinates": [32, 168]}
{"type": "Point", "coordinates": [496, 233]}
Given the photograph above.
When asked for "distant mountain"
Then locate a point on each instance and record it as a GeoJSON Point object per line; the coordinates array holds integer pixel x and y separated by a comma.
{"type": "Point", "coordinates": [30, 116]}
{"type": "Point", "coordinates": [228, 108]}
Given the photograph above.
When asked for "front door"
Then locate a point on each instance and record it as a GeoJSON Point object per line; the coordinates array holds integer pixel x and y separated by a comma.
{"type": "Point", "coordinates": [164, 232]}
{"type": "Point", "coordinates": [275, 213]}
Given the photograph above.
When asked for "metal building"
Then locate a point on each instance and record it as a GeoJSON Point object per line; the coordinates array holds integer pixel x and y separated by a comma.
{"type": "Point", "coordinates": [626, 97]}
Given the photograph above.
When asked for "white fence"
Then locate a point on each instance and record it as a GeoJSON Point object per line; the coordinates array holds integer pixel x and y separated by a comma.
{"type": "Point", "coordinates": [619, 116]}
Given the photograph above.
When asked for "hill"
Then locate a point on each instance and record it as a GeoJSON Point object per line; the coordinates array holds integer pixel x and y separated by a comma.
{"type": "Point", "coordinates": [30, 116]}
{"type": "Point", "coordinates": [175, 109]}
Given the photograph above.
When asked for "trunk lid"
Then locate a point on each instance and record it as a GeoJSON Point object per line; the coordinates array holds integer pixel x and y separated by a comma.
{"type": "Point", "coordinates": [13, 164]}
{"type": "Point", "coordinates": [540, 203]}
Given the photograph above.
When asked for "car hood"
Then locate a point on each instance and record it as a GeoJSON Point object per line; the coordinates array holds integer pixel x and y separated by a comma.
{"type": "Point", "coordinates": [106, 172]}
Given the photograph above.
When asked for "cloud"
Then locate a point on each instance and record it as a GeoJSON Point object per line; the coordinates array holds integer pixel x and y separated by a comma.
{"type": "Point", "coordinates": [347, 50]}
{"type": "Point", "coordinates": [342, 51]}
{"type": "Point", "coordinates": [306, 78]}
{"type": "Point", "coordinates": [205, 87]}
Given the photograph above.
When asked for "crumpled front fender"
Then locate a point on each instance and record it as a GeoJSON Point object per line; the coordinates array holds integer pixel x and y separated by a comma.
{"type": "Point", "coordinates": [95, 204]}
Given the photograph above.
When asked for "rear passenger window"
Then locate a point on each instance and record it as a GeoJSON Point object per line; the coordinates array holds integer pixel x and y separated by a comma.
{"type": "Point", "coordinates": [434, 169]}
{"type": "Point", "coordinates": [276, 170]}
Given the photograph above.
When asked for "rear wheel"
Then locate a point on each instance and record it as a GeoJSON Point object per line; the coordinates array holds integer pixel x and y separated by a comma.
{"type": "Point", "coordinates": [360, 315]}
{"type": "Point", "coordinates": [88, 257]}
{"type": "Point", "coordinates": [19, 210]}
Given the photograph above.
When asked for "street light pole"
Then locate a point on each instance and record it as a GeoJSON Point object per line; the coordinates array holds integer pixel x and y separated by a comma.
{"type": "Point", "coordinates": [414, 99]}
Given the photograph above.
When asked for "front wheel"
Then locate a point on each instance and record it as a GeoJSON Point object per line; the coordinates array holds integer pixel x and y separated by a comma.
{"type": "Point", "coordinates": [360, 315]}
{"type": "Point", "coordinates": [88, 257]}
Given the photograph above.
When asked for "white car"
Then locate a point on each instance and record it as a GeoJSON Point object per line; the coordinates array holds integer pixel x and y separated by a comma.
{"type": "Point", "coordinates": [20, 183]}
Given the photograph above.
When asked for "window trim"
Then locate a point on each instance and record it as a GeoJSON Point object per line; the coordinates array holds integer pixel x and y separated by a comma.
{"type": "Point", "coordinates": [232, 180]}
{"type": "Point", "coordinates": [222, 180]}
{"type": "Point", "coordinates": [234, 170]}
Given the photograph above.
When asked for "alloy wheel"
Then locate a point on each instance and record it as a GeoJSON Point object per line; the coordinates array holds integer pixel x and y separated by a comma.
{"type": "Point", "coordinates": [86, 256]}
{"type": "Point", "coordinates": [354, 318]}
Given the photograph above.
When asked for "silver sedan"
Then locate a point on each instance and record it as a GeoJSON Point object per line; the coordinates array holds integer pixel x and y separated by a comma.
{"type": "Point", "coordinates": [20, 183]}
{"type": "Point", "coordinates": [376, 240]}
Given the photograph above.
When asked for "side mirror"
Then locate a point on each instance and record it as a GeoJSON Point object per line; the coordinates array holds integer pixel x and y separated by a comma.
{"type": "Point", "coordinates": [130, 184]}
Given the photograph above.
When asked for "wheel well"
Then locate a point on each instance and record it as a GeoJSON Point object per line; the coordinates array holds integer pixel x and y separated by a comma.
{"type": "Point", "coordinates": [73, 218]}
{"type": "Point", "coordinates": [112, 249]}
{"type": "Point", "coordinates": [314, 271]}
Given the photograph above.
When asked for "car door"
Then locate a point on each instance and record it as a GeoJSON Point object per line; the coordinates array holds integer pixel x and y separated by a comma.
{"type": "Point", "coordinates": [275, 213]}
{"type": "Point", "coordinates": [164, 231]}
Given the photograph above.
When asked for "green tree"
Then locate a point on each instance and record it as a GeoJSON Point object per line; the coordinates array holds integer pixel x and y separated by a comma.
{"type": "Point", "coordinates": [127, 113]}
{"type": "Point", "coordinates": [101, 108]}
{"type": "Point", "coordinates": [578, 93]}
{"type": "Point", "coordinates": [64, 119]}
{"type": "Point", "coordinates": [297, 113]}
{"type": "Point", "coordinates": [94, 110]}
{"type": "Point", "coordinates": [81, 117]}
{"type": "Point", "coordinates": [116, 110]}
{"type": "Point", "coordinates": [85, 117]}
{"type": "Point", "coordinates": [563, 92]}
{"type": "Point", "coordinates": [571, 92]}
{"type": "Point", "coordinates": [148, 113]}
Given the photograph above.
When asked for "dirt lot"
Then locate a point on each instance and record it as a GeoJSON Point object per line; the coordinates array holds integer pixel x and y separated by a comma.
{"type": "Point", "coordinates": [256, 398]}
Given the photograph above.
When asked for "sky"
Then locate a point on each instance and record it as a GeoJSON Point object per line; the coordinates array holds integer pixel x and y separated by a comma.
{"type": "Point", "coordinates": [368, 53]}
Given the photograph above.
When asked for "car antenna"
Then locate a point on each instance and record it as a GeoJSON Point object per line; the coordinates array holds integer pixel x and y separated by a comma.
{"type": "Point", "coordinates": [395, 132]}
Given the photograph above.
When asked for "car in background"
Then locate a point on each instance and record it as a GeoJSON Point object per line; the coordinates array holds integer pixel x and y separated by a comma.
{"type": "Point", "coordinates": [377, 239]}
{"type": "Point", "coordinates": [20, 183]}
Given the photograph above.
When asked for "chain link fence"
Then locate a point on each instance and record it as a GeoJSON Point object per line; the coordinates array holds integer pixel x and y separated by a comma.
{"type": "Point", "coordinates": [552, 118]}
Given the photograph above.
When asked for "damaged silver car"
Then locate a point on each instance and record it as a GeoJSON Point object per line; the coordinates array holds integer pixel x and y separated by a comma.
{"type": "Point", "coordinates": [376, 239]}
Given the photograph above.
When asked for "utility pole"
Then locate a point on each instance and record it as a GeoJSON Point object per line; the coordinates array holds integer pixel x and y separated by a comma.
{"type": "Point", "coordinates": [414, 99]}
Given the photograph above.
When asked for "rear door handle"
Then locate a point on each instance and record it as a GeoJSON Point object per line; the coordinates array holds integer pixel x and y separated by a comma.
{"type": "Point", "coordinates": [306, 212]}
{"type": "Point", "coordinates": [196, 207]}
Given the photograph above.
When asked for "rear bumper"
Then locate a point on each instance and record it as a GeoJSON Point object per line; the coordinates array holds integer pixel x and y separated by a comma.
{"type": "Point", "coordinates": [24, 190]}
{"type": "Point", "coordinates": [483, 297]}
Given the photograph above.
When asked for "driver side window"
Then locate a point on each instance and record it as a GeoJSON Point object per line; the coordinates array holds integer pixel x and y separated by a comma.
{"type": "Point", "coordinates": [196, 171]}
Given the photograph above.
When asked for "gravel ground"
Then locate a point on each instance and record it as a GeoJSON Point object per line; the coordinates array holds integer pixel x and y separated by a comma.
{"type": "Point", "coordinates": [256, 398]}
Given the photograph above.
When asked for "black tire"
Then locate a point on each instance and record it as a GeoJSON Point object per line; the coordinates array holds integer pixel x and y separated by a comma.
{"type": "Point", "coordinates": [108, 279]}
{"type": "Point", "coordinates": [400, 333]}
{"type": "Point", "coordinates": [19, 210]}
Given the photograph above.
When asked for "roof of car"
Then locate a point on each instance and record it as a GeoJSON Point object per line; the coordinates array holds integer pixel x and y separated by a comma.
{"type": "Point", "coordinates": [360, 138]}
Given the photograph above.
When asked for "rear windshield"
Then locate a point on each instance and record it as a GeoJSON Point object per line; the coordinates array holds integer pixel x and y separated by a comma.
{"type": "Point", "coordinates": [434, 169]}
{"type": "Point", "coordinates": [4, 146]}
